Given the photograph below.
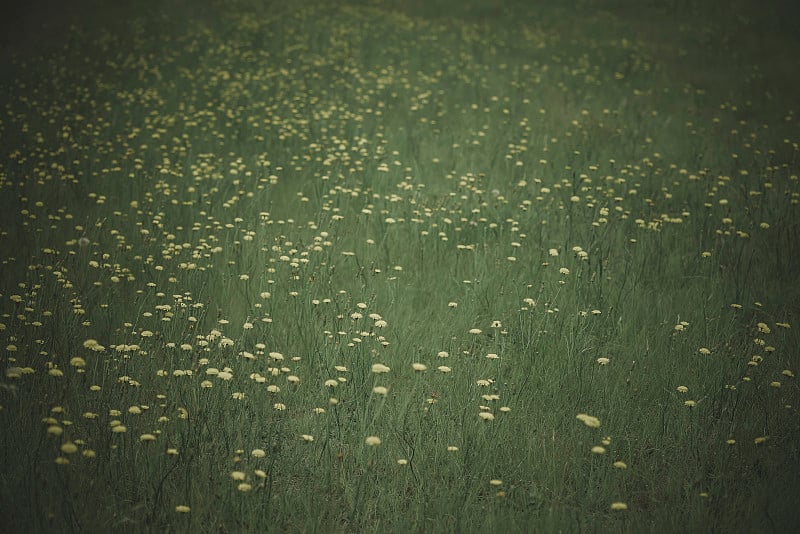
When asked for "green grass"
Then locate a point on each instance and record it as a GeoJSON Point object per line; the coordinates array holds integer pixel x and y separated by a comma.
{"type": "Point", "coordinates": [555, 214]}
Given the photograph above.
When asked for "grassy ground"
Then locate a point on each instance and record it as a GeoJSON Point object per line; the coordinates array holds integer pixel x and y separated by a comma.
{"type": "Point", "coordinates": [400, 266]}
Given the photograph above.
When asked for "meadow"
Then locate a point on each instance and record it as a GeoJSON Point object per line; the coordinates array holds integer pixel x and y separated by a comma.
{"type": "Point", "coordinates": [400, 267]}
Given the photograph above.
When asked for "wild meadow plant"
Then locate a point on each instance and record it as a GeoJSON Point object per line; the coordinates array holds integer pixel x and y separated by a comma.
{"type": "Point", "coordinates": [400, 267]}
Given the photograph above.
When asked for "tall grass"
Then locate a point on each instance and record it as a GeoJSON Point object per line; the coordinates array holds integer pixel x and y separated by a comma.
{"type": "Point", "coordinates": [549, 262]}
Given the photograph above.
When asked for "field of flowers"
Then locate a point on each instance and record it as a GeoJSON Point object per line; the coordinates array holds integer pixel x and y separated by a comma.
{"type": "Point", "coordinates": [400, 267]}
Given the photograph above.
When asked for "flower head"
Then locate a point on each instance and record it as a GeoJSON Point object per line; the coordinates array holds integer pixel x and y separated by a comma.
{"type": "Point", "coordinates": [379, 368]}
{"type": "Point", "coordinates": [588, 420]}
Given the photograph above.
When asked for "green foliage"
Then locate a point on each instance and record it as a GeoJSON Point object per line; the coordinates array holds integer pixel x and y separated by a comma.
{"type": "Point", "coordinates": [549, 262]}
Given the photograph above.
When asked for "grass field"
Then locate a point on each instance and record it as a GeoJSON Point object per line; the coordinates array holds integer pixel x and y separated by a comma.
{"type": "Point", "coordinates": [403, 266]}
